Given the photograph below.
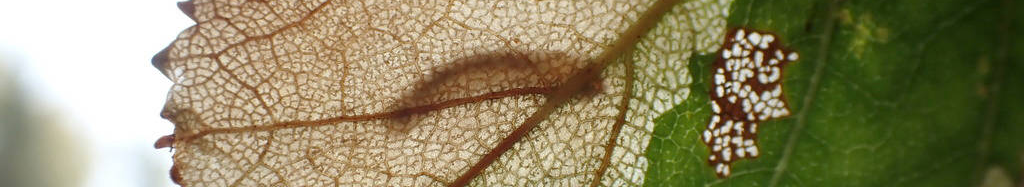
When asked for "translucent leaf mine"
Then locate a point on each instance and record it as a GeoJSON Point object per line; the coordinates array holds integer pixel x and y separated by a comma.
{"type": "Point", "coordinates": [747, 89]}
{"type": "Point", "coordinates": [339, 93]}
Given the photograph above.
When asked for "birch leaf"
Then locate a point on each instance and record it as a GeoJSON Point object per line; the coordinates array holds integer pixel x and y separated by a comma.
{"type": "Point", "coordinates": [606, 93]}
{"type": "Point", "coordinates": [329, 93]}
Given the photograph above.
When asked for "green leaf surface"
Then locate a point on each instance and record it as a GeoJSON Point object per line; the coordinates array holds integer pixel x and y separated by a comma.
{"type": "Point", "coordinates": [886, 93]}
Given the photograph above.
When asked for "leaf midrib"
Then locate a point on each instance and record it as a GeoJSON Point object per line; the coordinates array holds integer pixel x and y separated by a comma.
{"type": "Point", "coordinates": [812, 87]}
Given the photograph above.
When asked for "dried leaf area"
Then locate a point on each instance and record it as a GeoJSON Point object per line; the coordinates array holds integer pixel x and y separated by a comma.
{"type": "Point", "coordinates": [491, 93]}
{"type": "Point", "coordinates": [747, 90]}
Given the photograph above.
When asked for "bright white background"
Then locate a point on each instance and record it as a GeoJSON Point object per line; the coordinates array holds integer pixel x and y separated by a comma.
{"type": "Point", "coordinates": [90, 60]}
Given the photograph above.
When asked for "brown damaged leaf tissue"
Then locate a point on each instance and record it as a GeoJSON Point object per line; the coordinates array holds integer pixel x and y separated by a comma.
{"type": "Point", "coordinates": [426, 93]}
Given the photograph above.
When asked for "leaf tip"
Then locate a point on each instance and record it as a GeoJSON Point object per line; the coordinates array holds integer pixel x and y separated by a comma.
{"type": "Point", "coordinates": [159, 60]}
{"type": "Point", "coordinates": [175, 174]}
{"type": "Point", "coordinates": [189, 8]}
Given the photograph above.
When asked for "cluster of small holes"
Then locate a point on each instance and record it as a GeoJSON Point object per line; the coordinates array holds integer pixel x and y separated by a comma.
{"type": "Point", "coordinates": [747, 90]}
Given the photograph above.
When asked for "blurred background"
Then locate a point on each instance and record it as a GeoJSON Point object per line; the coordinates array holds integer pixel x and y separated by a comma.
{"type": "Point", "coordinates": [79, 99]}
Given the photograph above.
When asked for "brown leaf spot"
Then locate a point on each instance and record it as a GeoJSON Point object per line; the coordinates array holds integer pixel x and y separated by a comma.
{"type": "Point", "coordinates": [747, 89]}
